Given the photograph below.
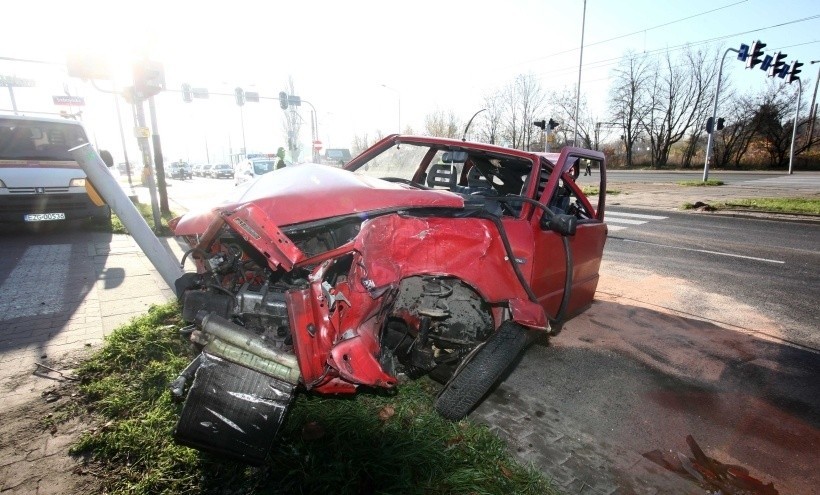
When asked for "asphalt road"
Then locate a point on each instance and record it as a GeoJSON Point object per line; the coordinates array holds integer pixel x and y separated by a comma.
{"type": "Point", "coordinates": [770, 265]}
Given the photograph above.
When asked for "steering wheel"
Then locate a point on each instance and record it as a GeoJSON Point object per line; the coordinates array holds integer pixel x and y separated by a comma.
{"type": "Point", "coordinates": [405, 181]}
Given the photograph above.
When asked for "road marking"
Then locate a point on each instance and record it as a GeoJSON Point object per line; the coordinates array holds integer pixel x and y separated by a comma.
{"type": "Point", "coordinates": [731, 255]}
{"type": "Point", "coordinates": [634, 215]}
{"type": "Point", "coordinates": [614, 228]}
{"type": "Point", "coordinates": [626, 221]}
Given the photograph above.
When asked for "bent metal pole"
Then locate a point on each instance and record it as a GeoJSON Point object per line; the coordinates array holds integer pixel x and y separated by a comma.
{"type": "Point", "coordinates": [112, 193]}
{"type": "Point", "coordinates": [714, 114]}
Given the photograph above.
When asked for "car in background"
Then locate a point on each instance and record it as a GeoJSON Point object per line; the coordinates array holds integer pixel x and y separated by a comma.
{"type": "Point", "coordinates": [222, 171]}
{"type": "Point", "coordinates": [255, 167]}
{"type": "Point", "coordinates": [422, 254]}
{"type": "Point", "coordinates": [180, 170]}
{"type": "Point", "coordinates": [336, 156]}
{"type": "Point", "coordinates": [205, 170]}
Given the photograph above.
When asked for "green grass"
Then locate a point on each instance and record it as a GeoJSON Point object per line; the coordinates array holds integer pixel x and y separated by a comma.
{"type": "Point", "coordinates": [700, 183]}
{"type": "Point", "coordinates": [145, 210]}
{"type": "Point", "coordinates": [809, 206]}
{"type": "Point", "coordinates": [594, 190]}
{"type": "Point", "coordinates": [412, 451]}
{"type": "Point", "coordinates": [804, 206]}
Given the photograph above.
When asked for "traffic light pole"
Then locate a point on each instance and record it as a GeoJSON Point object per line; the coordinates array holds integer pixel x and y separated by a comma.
{"type": "Point", "coordinates": [794, 126]}
{"type": "Point", "coordinates": [158, 160]}
{"type": "Point", "coordinates": [145, 148]}
{"type": "Point", "coordinates": [714, 113]}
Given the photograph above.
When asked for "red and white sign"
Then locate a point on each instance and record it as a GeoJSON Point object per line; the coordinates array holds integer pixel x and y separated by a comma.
{"type": "Point", "coordinates": [317, 145]}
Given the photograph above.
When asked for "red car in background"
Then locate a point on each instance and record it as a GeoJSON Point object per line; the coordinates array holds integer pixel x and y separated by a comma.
{"type": "Point", "coordinates": [421, 255]}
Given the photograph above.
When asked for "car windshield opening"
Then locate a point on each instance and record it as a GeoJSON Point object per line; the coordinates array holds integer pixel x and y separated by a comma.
{"type": "Point", "coordinates": [262, 167]}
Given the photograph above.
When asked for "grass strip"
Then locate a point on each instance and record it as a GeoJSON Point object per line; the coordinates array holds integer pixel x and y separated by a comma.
{"type": "Point", "coordinates": [374, 442]}
{"type": "Point", "coordinates": [700, 183]}
{"type": "Point", "coordinates": [145, 210]}
{"type": "Point", "coordinates": [810, 206]}
{"type": "Point", "coordinates": [594, 190]}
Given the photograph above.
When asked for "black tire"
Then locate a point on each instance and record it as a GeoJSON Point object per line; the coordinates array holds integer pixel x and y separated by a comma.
{"type": "Point", "coordinates": [476, 377]}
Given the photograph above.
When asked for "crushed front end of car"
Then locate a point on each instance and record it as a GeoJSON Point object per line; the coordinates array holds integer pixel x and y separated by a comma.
{"type": "Point", "coordinates": [318, 279]}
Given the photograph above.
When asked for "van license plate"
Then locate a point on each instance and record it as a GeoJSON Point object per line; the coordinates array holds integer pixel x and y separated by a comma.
{"type": "Point", "coordinates": [44, 217]}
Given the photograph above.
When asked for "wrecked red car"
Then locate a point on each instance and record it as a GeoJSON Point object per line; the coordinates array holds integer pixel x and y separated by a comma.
{"type": "Point", "coordinates": [421, 255]}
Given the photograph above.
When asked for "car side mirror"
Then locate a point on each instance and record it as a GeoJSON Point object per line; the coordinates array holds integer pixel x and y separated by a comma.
{"type": "Point", "coordinates": [560, 223]}
{"type": "Point", "coordinates": [107, 158]}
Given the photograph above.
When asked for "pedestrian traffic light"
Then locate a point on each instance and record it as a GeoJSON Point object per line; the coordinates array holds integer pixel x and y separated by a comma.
{"type": "Point", "coordinates": [795, 69]}
{"type": "Point", "coordinates": [710, 124]}
{"type": "Point", "coordinates": [720, 122]}
{"type": "Point", "coordinates": [553, 124]}
{"type": "Point", "coordinates": [240, 96]}
{"type": "Point", "coordinates": [187, 93]}
{"type": "Point", "coordinates": [743, 52]}
{"type": "Point", "coordinates": [541, 124]}
{"type": "Point", "coordinates": [777, 64]}
{"type": "Point", "coordinates": [755, 52]}
{"type": "Point", "coordinates": [283, 100]}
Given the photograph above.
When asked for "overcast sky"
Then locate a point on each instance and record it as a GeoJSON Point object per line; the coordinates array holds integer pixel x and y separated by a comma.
{"type": "Point", "coordinates": [430, 55]}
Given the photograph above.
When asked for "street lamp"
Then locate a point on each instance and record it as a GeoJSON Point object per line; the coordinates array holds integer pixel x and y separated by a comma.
{"type": "Point", "coordinates": [812, 109]}
{"type": "Point", "coordinates": [398, 95]}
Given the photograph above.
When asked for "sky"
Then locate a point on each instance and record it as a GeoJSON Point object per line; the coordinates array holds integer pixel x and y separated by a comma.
{"type": "Point", "coordinates": [366, 66]}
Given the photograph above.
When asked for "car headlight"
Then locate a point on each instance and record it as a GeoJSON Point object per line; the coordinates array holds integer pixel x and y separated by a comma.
{"type": "Point", "coordinates": [77, 183]}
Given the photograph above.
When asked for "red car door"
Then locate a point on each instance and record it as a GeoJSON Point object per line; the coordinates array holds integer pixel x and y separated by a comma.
{"type": "Point", "coordinates": [557, 188]}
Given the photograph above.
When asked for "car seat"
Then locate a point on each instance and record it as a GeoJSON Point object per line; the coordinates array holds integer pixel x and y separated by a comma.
{"type": "Point", "coordinates": [442, 175]}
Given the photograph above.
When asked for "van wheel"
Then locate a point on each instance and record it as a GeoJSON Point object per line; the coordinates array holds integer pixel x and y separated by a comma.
{"type": "Point", "coordinates": [486, 366]}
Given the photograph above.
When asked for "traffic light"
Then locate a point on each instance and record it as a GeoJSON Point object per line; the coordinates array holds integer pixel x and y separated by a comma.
{"type": "Point", "coordinates": [541, 124]}
{"type": "Point", "coordinates": [553, 124]}
{"type": "Point", "coordinates": [755, 52]}
{"type": "Point", "coordinates": [240, 96]}
{"type": "Point", "coordinates": [743, 52]}
{"type": "Point", "coordinates": [777, 64]}
{"type": "Point", "coordinates": [767, 62]}
{"type": "Point", "coordinates": [283, 100]}
{"type": "Point", "coordinates": [795, 69]}
{"type": "Point", "coordinates": [149, 78]}
{"type": "Point", "coordinates": [187, 93]}
{"type": "Point", "coordinates": [720, 122]}
{"type": "Point", "coordinates": [710, 125]}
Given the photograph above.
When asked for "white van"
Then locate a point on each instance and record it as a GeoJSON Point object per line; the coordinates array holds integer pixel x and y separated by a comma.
{"type": "Point", "coordinates": [39, 180]}
{"type": "Point", "coordinates": [250, 169]}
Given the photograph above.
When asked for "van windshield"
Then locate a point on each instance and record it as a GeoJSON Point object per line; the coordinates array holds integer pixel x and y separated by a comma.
{"type": "Point", "coordinates": [28, 140]}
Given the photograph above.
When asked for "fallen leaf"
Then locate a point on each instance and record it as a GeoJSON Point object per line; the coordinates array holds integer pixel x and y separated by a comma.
{"type": "Point", "coordinates": [387, 412]}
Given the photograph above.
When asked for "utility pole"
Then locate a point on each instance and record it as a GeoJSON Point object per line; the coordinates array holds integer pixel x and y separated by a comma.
{"type": "Point", "coordinates": [158, 160]}
{"type": "Point", "coordinates": [813, 108]}
{"type": "Point", "coordinates": [580, 64]}
{"type": "Point", "coordinates": [145, 148]}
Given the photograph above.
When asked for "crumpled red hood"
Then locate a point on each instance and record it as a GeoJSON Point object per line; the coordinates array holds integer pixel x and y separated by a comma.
{"type": "Point", "coordinates": [307, 192]}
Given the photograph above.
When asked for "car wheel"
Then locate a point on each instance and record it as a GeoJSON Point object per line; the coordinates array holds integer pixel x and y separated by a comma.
{"type": "Point", "coordinates": [477, 376]}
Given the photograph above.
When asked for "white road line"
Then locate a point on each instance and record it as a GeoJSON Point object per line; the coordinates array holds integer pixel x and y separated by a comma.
{"type": "Point", "coordinates": [633, 215]}
{"type": "Point", "coordinates": [707, 251]}
{"type": "Point", "coordinates": [614, 228]}
{"type": "Point", "coordinates": [626, 221]}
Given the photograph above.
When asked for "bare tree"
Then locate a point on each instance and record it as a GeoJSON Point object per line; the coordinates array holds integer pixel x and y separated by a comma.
{"type": "Point", "coordinates": [628, 105]}
{"type": "Point", "coordinates": [489, 124]}
{"type": "Point", "coordinates": [732, 142]}
{"type": "Point", "coordinates": [562, 108]}
{"type": "Point", "coordinates": [441, 124]}
{"type": "Point", "coordinates": [523, 99]}
{"type": "Point", "coordinates": [678, 95]}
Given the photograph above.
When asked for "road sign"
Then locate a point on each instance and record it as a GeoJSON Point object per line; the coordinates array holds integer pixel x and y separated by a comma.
{"type": "Point", "coordinates": [200, 93]}
{"type": "Point", "coordinates": [142, 132]}
{"type": "Point", "coordinates": [14, 81]}
{"type": "Point", "coordinates": [252, 96]}
{"type": "Point", "coordinates": [317, 145]}
{"type": "Point", "coordinates": [77, 101]}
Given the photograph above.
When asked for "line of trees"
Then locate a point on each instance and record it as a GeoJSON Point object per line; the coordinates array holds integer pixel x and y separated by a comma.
{"type": "Point", "coordinates": [656, 115]}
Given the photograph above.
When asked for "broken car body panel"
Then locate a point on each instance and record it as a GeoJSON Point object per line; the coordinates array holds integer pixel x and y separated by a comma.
{"type": "Point", "coordinates": [408, 259]}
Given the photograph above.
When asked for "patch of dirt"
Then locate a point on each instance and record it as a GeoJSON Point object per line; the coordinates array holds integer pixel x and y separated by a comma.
{"type": "Point", "coordinates": [35, 436]}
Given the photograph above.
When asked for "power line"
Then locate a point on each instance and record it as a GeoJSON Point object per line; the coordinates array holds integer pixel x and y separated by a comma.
{"type": "Point", "coordinates": [631, 34]}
